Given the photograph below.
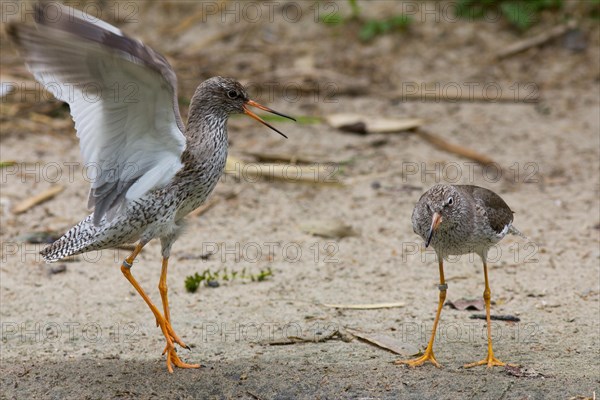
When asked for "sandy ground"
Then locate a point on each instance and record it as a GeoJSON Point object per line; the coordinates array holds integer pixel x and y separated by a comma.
{"type": "Point", "coordinates": [84, 333]}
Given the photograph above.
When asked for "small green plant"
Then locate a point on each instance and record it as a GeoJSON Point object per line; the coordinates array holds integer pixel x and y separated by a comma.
{"type": "Point", "coordinates": [373, 28]}
{"type": "Point", "coordinates": [355, 8]}
{"type": "Point", "coordinates": [519, 13]}
{"type": "Point", "coordinates": [262, 275]}
{"type": "Point", "coordinates": [332, 19]}
{"type": "Point", "coordinates": [211, 279]}
{"type": "Point", "coordinates": [335, 18]}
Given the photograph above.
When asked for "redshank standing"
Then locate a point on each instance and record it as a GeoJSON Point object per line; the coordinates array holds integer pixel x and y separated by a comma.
{"type": "Point", "coordinates": [151, 169]}
{"type": "Point", "coordinates": [455, 220]}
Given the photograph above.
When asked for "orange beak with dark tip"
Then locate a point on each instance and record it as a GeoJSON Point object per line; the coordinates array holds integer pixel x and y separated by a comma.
{"type": "Point", "coordinates": [435, 222]}
{"type": "Point", "coordinates": [259, 119]}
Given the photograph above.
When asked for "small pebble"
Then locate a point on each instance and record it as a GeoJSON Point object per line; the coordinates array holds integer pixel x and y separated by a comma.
{"type": "Point", "coordinates": [58, 269]}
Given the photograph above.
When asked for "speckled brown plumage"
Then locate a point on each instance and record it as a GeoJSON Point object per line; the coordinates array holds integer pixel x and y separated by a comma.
{"type": "Point", "coordinates": [456, 220]}
{"type": "Point", "coordinates": [151, 169]}
{"type": "Point", "coordinates": [476, 220]}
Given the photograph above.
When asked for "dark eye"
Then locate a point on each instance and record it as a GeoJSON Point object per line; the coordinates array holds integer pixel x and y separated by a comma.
{"type": "Point", "coordinates": [233, 94]}
{"type": "Point", "coordinates": [450, 201]}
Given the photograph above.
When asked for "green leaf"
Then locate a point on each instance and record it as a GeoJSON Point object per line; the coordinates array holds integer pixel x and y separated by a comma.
{"type": "Point", "coordinates": [355, 8]}
{"type": "Point", "coordinates": [368, 31]}
{"type": "Point", "coordinates": [401, 21]}
{"type": "Point", "coordinates": [332, 19]}
{"type": "Point", "coordinates": [519, 14]}
{"type": "Point", "coordinates": [192, 283]}
{"type": "Point", "coordinates": [373, 27]}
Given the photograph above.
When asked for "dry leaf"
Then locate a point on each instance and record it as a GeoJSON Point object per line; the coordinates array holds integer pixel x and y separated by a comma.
{"type": "Point", "coordinates": [522, 372]}
{"type": "Point", "coordinates": [466, 304]}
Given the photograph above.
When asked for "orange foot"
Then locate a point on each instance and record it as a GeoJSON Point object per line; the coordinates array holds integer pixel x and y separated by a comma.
{"type": "Point", "coordinates": [171, 352]}
{"type": "Point", "coordinates": [490, 361]}
{"type": "Point", "coordinates": [173, 359]}
{"type": "Point", "coordinates": [428, 356]}
{"type": "Point", "coordinates": [174, 338]}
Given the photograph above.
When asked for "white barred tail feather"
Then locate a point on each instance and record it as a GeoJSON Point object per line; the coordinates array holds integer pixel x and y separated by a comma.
{"type": "Point", "coordinates": [75, 241]}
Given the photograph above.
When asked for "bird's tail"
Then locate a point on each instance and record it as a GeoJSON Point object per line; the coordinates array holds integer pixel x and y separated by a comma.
{"type": "Point", "coordinates": [75, 241]}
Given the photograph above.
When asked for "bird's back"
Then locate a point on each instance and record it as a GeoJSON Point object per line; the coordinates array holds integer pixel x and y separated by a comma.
{"type": "Point", "coordinates": [499, 214]}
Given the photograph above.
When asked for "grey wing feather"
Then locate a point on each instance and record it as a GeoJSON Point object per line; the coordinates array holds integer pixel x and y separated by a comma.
{"type": "Point", "coordinates": [122, 96]}
{"type": "Point", "coordinates": [499, 214]}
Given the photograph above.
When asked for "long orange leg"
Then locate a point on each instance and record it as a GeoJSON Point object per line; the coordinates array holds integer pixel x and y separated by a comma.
{"type": "Point", "coordinates": [170, 349]}
{"type": "Point", "coordinates": [490, 360]}
{"type": "Point", "coordinates": [165, 328]}
{"type": "Point", "coordinates": [428, 355]}
{"type": "Point", "coordinates": [163, 289]}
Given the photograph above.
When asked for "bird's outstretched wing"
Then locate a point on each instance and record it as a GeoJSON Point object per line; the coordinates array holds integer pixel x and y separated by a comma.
{"type": "Point", "coordinates": [122, 96]}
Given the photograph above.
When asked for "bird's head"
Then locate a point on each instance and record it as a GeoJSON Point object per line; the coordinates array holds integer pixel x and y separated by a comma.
{"type": "Point", "coordinates": [229, 95]}
{"type": "Point", "coordinates": [442, 205]}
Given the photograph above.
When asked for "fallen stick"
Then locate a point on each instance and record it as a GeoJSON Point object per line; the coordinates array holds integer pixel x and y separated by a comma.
{"type": "Point", "coordinates": [385, 342]}
{"type": "Point", "coordinates": [374, 306]}
{"type": "Point", "coordinates": [509, 318]}
{"type": "Point", "coordinates": [283, 157]}
{"type": "Point", "coordinates": [38, 199]}
{"type": "Point", "coordinates": [316, 174]}
{"type": "Point", "coordinates": [456, 149]}
{"type": "Point", "coordinates": [537, 40]}
{"type": "Point", "coordinates": [364, 124]}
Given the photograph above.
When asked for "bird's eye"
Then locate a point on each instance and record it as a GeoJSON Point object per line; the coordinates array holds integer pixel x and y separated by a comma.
{"type": "Point", "coordinates": [450, 201]}
{"type": "Point", "coordinates": [233, 94]}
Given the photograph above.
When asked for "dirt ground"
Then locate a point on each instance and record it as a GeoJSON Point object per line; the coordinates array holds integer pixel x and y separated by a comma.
{"type": "Point", "coordinates": [84, 332]}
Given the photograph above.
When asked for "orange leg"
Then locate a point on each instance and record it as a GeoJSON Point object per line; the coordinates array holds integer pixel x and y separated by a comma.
{"type": "Point", "coordinates": [428, 355]}
{"type": "Point", "coordinates": [163, 289]}
{"type": "Point", "coordinates": [165, 326]}
{"type": "Point", "coordinates": [490, 360]}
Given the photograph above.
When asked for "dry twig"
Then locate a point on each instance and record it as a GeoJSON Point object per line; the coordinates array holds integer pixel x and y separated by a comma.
{"type": "Point", "coordinates": [456, 149]}
{"type": "Point", "coordinates": [38, 199]}
{"type": "Point", "coordinates": [537, 40]}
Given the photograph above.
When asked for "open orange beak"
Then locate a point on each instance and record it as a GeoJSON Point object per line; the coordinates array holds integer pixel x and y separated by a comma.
{"type": "Point", "coordinates": [435, 222]}
{"type": "Point", "coordinates": [259, 119]}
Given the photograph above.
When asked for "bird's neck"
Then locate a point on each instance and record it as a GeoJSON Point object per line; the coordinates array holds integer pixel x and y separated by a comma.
{"type": "Point", "coordinates": [203, 160]}
{"type": "Point", "coordinates": [206, 133]}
